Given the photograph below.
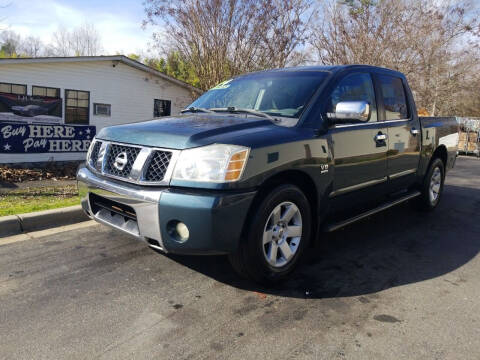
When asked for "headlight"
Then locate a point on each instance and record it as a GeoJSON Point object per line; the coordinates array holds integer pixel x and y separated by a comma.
{"type": "Point", "coordinates": [213, 163]}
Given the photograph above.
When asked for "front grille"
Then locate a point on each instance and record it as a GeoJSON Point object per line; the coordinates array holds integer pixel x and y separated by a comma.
{"type": "Point", "coordinates": [158, 165]}
{"type": "Point", "coordinates": [153, 163]}
{"type": "Point", "coordinates": [113, 151]}
{"type": "Point", "coordinates": [115, 214]}
{"type": "Point", "coordinates": [99, 202]}
{"type": "Point", "coordinates": [94, 153]}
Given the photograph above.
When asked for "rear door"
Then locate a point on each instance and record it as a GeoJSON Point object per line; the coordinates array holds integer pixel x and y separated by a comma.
{"type": "Point", "coordinates": [359, 152]}
{"type": "Point", "coordinates": [403, 129]}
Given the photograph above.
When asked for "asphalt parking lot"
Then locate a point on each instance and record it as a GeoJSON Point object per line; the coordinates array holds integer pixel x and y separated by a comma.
{"type": "Point", "coordinates": [399, 285]}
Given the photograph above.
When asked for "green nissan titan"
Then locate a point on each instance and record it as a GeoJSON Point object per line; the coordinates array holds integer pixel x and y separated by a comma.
{"type": "Point", "coordinates": [260, 165]}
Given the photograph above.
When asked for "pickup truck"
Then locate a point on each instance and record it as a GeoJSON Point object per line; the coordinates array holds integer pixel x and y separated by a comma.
{"type": "Point", "coordinates": [262, 164]}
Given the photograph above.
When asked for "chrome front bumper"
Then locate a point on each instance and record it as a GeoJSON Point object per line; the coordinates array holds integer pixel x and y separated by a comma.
{"type": "Point", "coordinates": [145, 203]}
{"type": "Point", "coordinates": [215, 219]}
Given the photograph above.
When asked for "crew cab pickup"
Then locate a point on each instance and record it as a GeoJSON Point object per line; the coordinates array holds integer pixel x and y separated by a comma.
{"type": "Point", "coordinates": [260, 165]}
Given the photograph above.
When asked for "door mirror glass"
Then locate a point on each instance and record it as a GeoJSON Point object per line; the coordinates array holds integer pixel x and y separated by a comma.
{"type": "Point", "coordinates": [350, 111]}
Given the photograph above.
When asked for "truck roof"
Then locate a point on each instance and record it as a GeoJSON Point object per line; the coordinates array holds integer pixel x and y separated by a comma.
{"type": "Point", "coordinates": [333, 68]}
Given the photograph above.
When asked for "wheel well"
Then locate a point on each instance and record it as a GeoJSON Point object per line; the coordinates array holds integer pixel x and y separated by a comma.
{"type": "Point", "coordinates": [294, 177]}
{"type": "Point", "coordinates": [441, 153]}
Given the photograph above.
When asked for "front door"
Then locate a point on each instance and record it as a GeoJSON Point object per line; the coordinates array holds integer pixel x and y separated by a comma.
{"type": "Point", "coordinates": [359, 149]}
{"type": "Point", "coordinates": [403, 131]}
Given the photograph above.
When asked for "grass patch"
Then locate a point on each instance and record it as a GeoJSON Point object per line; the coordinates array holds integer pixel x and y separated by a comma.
{"type": "Point", "coordinates": [35, 199]}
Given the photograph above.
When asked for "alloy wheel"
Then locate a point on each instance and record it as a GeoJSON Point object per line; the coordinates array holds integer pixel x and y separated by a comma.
{"type": "Point", "coordinates": [435, 185]}
{"type": "Point", "coordinates": [282, 234]}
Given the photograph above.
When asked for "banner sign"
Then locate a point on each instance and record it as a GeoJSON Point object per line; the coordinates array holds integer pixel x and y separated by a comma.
{"type": "Point", "coordinates": [30, 108]}
{"type": "Point", "coordinates": [18, 138]}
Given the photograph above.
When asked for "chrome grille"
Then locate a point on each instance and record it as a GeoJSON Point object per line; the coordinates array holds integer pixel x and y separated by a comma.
{"type": "Point", "coordinates": [142, 165]}
{"type": "Point", "coordinates": [113, 151]}
{"type": "Point", "coordinates": [94, 153]}
{"type": "Point", "coordinates": [158, 165]}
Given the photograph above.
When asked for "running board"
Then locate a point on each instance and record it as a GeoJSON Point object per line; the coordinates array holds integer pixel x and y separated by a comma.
{"type": "Point", "coordinates": [336, 226]}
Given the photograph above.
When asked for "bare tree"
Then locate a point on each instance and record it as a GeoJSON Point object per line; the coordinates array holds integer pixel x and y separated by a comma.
{"type": "Point", "coordinates": [60, 45]}
{"type": "Point", "coordinates": [290, 22]}
{"type": "Point", "coordinates": [12, 45]}
{"type": "Point", "coordinates": [84, 40]}
{"type": "Point", "coordinates": [10, 42]}
{"type": "Point", "coordinates": [432, 43]}
{"type": "Point", "coordinates": [223, 38]}
{"type": "Point", "coordinates": [32, 46]}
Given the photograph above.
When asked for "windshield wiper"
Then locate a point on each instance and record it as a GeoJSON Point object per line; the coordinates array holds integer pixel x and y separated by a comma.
{"type": "Point", "coordinates": [233, 109]}
{"type": "Point", "coordinates": [194, 109]}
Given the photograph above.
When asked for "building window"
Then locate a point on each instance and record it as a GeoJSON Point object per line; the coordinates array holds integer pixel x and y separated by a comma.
{"type": "Point", "coordinates": [45, 91]}
{"type": "Point", "coordinates": [77, 107]}
{"type": "Point", "coordinates": [13, 89]}
{"type": "Point", "coordinates": [102, 109]}
{"type": "Point", "coordinates": [161, 108]}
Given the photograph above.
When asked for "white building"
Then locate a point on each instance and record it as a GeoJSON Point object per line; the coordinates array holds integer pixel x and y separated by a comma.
{"type": "Point", "coordinates": [50, 107]}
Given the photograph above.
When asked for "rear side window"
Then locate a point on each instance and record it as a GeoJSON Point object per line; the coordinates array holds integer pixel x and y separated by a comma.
{"type": "Point", "coordinates": [394, 99]}
{"type": "Point", "coordinates": [355, 87]}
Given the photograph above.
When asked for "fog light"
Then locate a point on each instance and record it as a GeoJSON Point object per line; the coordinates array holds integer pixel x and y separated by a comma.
{"type": "Point", "coordinates": [178, 231]}
{"type": "Point", "coordinates": [182, 231]}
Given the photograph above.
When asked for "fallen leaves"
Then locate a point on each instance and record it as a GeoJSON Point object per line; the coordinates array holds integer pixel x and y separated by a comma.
{"type": "Point", "coordinates": [57, 172]}
{"type": "Point", "coordinates": [260, 295]}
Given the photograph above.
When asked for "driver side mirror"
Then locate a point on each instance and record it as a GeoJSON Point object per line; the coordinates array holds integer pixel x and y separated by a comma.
{"type": "Point", "coordinates": [350, 111]}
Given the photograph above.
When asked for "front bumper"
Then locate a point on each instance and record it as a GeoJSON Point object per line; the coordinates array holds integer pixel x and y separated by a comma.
{"type": "Point", "coordinates": [214, 219]}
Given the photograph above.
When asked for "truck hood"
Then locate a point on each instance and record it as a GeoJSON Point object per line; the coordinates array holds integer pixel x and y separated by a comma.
{"type": "Point", "coordinates": [186, 131]}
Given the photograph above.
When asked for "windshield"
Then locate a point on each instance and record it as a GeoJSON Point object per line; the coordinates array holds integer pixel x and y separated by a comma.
{"type": "Point", "coordinates": [281, 93]}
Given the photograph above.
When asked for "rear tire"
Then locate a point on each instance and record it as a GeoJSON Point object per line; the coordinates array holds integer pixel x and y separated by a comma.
{"type": "Point", "coordinates": [432, 187]}
{"type": "Point", "coordinates": [276, 236]}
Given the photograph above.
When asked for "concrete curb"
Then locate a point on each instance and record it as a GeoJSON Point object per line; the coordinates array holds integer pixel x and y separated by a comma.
{"type": "Point", "coordinates": [10, 225]}
{"type": "Point", "coordinates": [40, 220]}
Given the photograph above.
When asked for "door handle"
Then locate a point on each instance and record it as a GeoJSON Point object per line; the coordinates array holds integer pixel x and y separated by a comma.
{"type": "Point", "coordinates": [380, 137]}
{"type": "Point", "coordinates": [414, 131]}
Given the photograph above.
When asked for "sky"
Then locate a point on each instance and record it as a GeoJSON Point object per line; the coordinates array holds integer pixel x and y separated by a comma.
{"type": "Point", "coordinates": [119, 22]}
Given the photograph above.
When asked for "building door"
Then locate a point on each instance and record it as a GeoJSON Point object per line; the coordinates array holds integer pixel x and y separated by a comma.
{"type": "Point", "coordinates": [162, 108]}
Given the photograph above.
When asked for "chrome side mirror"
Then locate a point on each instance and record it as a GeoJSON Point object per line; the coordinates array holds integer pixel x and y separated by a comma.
{"type": "Point", "coordinates": [351, 111]}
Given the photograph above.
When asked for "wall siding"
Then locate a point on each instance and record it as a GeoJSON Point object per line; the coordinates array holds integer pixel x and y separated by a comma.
{"type": "Point", "coordinates": [130, 92]}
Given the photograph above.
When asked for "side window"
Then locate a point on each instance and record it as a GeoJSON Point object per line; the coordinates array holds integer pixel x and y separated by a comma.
{"type": "Point", "coordinates": [355, 87]}
{"type": "Point", "coordinates": [13, 89]}
{"type": "Point", "coordinates": [394, 99]}
{"type": "Point", "coordinates": [45, 91]}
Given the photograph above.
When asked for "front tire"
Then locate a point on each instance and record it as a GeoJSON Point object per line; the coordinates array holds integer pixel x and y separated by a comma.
{"type": "Point", "coordinates": [276, 236]}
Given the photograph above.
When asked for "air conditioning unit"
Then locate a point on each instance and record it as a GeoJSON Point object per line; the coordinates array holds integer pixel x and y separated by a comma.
{"type": "Point", "coordinates": [102, 109]}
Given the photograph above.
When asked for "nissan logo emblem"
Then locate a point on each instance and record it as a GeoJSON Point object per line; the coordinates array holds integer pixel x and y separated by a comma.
{"type": "Point", "coordinates": [120, 161]}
